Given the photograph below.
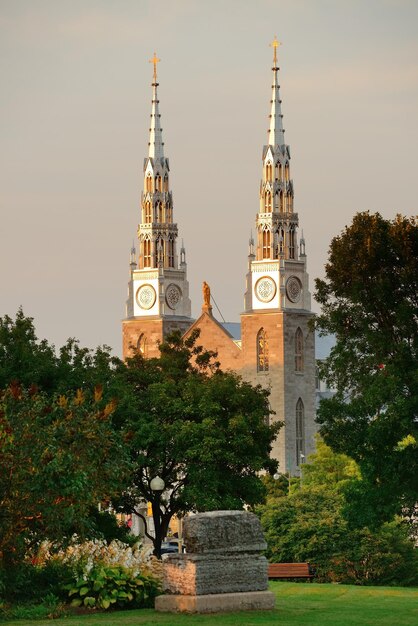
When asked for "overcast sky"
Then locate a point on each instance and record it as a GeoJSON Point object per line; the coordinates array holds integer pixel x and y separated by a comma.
{"type": "Point", "coordinates": [75, 100]}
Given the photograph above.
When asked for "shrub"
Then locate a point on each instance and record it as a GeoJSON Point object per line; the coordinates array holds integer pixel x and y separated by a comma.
{"type": "Point", "coordinates": [104, 587]}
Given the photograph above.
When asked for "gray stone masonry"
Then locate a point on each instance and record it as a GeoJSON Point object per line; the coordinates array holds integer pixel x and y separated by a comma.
{"type": "Point", "coordinates": [223, 532]}
{"type": "Point", "coordinates": [198, 574]}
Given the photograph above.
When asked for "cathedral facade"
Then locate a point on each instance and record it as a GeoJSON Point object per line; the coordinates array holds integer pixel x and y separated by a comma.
{"type": "Point", "coordinates": [276, 347]}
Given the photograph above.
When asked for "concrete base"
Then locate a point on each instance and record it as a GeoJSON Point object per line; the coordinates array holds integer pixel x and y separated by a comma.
{"type": "Point", "coordinates": [216, 603]}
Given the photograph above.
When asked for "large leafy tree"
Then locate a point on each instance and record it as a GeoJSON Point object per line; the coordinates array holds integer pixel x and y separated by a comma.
{"type": "Point", "coordinates": [59, 457]}
{"type": "Point", "coordinates": [204, 432]}
{"type": "Point", "coordinates": [31, 361]}
{"type": "Point", "coordinates": [369, 301]}
{"type": "Point", "coordinates": [309, 523]}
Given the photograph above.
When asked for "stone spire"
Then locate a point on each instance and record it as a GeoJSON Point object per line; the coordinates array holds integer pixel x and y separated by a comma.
{"type": "Point", "coordinates": [156, 144]}
{"type": "Point", "coordinates": [276, 131]}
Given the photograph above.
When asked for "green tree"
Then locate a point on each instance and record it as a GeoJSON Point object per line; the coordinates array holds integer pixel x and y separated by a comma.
{"type": "Point", "coordinates": [59, 458]}
{"type": "Point", "coordinates": [30, 361]}
{"type": "Point", "coordinates": [310, 524]}
{"type": "Point", "coordinates": [204, 432]}
{"type": "Point", "coordinates": [369, 301]}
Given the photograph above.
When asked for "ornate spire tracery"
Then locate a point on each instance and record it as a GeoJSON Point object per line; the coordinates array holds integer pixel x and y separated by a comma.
{"type": "Point", "coordinates": [276, 221]}
{"type": "Point", "coordinates": [157, 233]}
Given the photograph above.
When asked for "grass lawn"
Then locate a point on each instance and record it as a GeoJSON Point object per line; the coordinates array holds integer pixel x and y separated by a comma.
{"type": "Point", "coordinates": [297, 604]}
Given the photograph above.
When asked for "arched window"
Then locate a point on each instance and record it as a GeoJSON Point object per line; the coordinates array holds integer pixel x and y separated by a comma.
{"type": "Point", "coordinates": [300, 432]}
{"type": "Point", "coordinates": [279, 171]}
{"type": "Point", "coordinates": [267, 202]}
{"type": "Point", "coordinates": [280, 233]}
{"type": "Point", "coordinates": [289, 203]}
{"type": "Point", "coordinates": [262, 351]}
{"type": "Point", "coordinates": [269, 171]}
{"type": "Point", "coordinates": [147, 253]}
{"type": "Point", "coordinates": [298, 350]}
{"type": "Point", "coordinates": [148, 184]}
{"type": "Point", "coordinates": [291, 244]}
{"type": "Point", "coordinates": [266, 244]}
{"type": "Point", "coordinates": [281, 202]}
{"type": "Point", "coordinates": [166, 183]}
{"type": "Point", "coordinates": [168, 213]}
{"type": "Point", "coordinates": [158, 183]}
{"type": "Point", "coordinates": [286, 171]}
{"type": "Point", "coordinates": [142, 345]}
{"type": "Point", "coordinates": [159, 212]}
{"type": "Point", "coordinates": [147, 213]}
{"type": "Point", "coordinates": [170, 253]}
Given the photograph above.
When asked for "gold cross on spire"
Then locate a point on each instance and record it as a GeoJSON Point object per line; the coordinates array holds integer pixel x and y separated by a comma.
{"type": "Point", "coordinates": [155, 60]}
{"type": "Point", "coordinates": [275, 44]}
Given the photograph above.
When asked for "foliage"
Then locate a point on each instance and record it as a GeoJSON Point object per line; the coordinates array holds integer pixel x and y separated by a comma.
{"type": "Point", "coordinates": [82, 557]}
{"type": "Point", "coordinates": [310, 525]}
{"type": "Point", "coordinates": [50, 607]}
{"type": "Point", "coordinates": [25, 582]}
{"type": "Point", "coordinates": [371, 305]}
{"type": "Point", "coordinates": [60, 456]}
{"type": "Point", "coordinates": [113, 586]}
{"type": "Point", "coordinates": [203, 431]}
{"type": "Point", "coordinates": [28, 361]}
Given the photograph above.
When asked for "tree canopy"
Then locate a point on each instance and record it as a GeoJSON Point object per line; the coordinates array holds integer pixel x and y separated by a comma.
{"type": "Point", "coordinates": [369, 301]}
{"type": "Point", "coordinates": [203, 431]}
{"type": "Point", "coordinates": [309, 523]}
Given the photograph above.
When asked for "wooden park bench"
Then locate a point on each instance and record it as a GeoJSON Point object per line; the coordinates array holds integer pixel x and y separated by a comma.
{"type": "Point", "coordinates": [290, 570]}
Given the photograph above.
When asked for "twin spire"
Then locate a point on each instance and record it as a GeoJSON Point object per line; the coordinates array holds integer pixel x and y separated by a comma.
{"type": "Point", "coordinates": [276, 131]}
{"type": "Point", "coordinates": [156, 144]}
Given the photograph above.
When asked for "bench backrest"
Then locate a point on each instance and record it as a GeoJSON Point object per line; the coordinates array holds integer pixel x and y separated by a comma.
{"type": "Point", "coordinates": [289, 570]}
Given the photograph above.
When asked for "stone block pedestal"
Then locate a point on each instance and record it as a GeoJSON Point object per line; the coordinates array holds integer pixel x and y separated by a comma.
{"type": "Point", "coordinates": [216, 602]}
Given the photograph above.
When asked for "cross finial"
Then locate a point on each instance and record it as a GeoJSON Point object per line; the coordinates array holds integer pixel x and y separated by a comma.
{"type": "Point", "coordinates": [275, 44]}
{"type": "Point", "coordinates": [155, 60]}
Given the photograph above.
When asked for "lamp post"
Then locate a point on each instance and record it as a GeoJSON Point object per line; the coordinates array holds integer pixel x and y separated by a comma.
{"type": "Point", "coordinates": [157, 487]}
{"type": "Point", "coordinates": [302, 461]}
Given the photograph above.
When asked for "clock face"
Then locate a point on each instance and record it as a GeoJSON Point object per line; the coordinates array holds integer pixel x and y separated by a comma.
{"type": "Point", "coordinates": [265, 289]}
{"type": "Point", "coordinates": [293, 289]}
{"type": "Point", "coordinates": [146, 296]}
{"type": "Point", "coordinates": [173, 296]}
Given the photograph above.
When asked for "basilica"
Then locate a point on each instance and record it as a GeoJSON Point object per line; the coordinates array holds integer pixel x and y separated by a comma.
{"type": "Point", "coordinates": [274, 344]}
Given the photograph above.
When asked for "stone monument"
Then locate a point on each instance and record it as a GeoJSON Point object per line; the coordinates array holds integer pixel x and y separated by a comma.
{"type": "Point", "coordinates": [222, 570]}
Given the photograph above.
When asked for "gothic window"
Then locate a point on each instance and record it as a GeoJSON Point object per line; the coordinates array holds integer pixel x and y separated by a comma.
{"type": "Point", "coordinates": [266, 244]}
{"type": "Point", "coordinates": [147, 253]}
{"type": "Point", "coordinates": [159, 252]}
{"type": "Point", "coordinates": [142, 346]}
{"type": "Point", "coordinates": [286, 171]}
{"type": "Point", "coordinates": [159, 212]}
{"type": "Point", "coordinates": [300, 432]}
{"type": "Point", "coordinates": [281, 202]}
{"type": "Point", "coordinates": [158, 183]}
{"type": "Point", "coordinates": [289, 203]}
{"type": "Point", "coordinates": [280, 172]}
{"type": "Point", "coordinates": [166, 183]}
{"type": "Point", "coordinates": [268, 202]}
{"type": "Point", "coordinates": [168, 213]}
{"type": "Point", "coordinates": [291, 244]}
{"type": "Point", "coordinates": [262, 351]}
{"type": "Point", "coordinates": [148, 184]}
{"type": "Point", "coordinates": [170, 253]}
{"type": "Point", "coordinates": [147, 215]}
{"type": "Point", "coordinates": [281, 240]}
{"type": "Point", "coordinates": [269, 172]}
{"type": "Point", "coordinates": [299, 350]}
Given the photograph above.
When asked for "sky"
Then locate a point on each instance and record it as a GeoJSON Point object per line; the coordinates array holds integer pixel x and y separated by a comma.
{"type": "Point", "coordinates": [75, 101]}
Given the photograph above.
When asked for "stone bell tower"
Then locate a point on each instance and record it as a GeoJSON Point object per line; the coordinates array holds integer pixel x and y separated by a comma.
{"type": "Point", "coordinates": [278, 348]}
{"type": "Point", "coordinates": [158, 292]}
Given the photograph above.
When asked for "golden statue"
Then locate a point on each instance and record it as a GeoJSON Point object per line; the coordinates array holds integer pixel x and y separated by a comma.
{"type": "Point", "coordinates": [206, 294]}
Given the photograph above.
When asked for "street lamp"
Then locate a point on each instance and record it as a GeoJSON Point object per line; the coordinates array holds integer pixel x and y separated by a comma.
{"type": "Point", "coordinates": [157, 486]}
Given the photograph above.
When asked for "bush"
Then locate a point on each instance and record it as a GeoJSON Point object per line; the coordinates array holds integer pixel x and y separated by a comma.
{"type": "Point", "coordinates": [50, 607]}
{"type": "Point", "coordinates": [26, 582]}
{"type": "Point", "coordinates": [105, 587]}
